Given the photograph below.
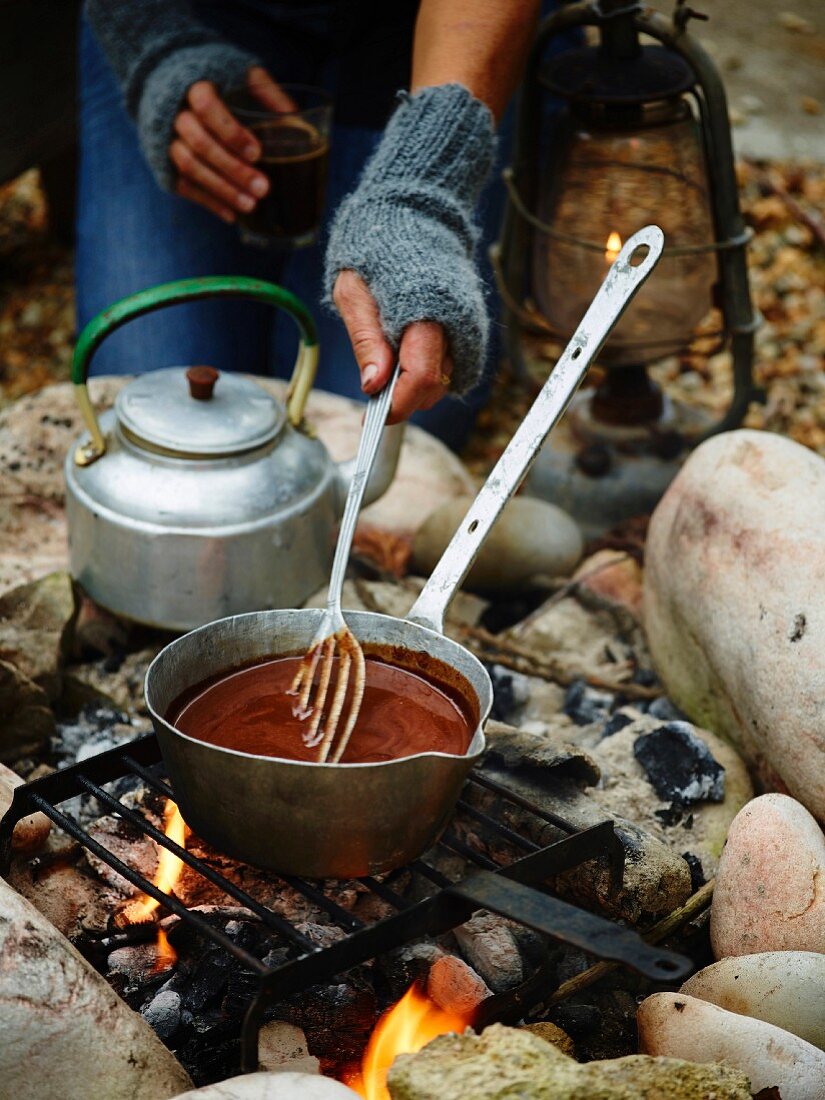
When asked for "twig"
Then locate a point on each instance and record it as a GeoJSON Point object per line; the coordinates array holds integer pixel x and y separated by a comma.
{"type": "Point", "coordinates": [692, 908]}
{"type": "Point", "coordinates": [810, 221]}
{"type": "Point", "coordinates": [521, 659]}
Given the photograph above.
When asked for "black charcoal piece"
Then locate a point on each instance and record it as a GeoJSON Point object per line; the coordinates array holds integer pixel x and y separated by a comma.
{"type": "Point", "coordinates": [616, 723]}
{"type": "Point", "coordinates": [679, 765]}
{"type": "Point", "coordinates": [697, 872]}
{"type": "Point", "coordinates": [163, 1013]}
{"type": "Point", "coordinates": [577, 1020]}
{"type": "Point", "coordinates": [585, 704]}
{"type": "Point", "coordinates": [665, 711]}
{"type": "Point", "coordinates": [646, 677]}
{"type": "Point", "coordinates": [670, 815]}
{"type": "Point", "coordinates": [511, 692]}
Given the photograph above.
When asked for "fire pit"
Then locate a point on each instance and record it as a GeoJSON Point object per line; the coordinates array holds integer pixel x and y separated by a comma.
{"type": "Point", "coordinates": [268, 961]}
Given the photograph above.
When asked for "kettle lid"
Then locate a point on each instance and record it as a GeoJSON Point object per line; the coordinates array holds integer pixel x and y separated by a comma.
{"type": "Point", "coordinates": [198, 412]}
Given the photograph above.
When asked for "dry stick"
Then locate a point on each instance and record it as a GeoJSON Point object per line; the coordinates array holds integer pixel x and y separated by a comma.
{"type": "Point", "coordinates": [810, 221]}
{"type": "Point", "coordinates": [692, 908]}
{"type": "Point", "coordinates": [519, 658]}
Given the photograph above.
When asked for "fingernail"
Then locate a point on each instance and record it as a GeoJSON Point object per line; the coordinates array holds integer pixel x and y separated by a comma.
{"type": "Point", "coordinates": [251, 152]}
{"type": "Point", "coordinates": [246, 203]}
{"type": "Point", "coordinates": [368, 376]}
{"type": "Point", "coordinates": [259, 186]}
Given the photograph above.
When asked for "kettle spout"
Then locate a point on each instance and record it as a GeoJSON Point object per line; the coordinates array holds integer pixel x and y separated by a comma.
{"type": "Point", "coordinates": [386, 463]}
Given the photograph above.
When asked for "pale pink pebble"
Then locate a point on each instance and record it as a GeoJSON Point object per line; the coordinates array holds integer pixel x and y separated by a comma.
{"type": "Point", "coordinates": [770, 886]}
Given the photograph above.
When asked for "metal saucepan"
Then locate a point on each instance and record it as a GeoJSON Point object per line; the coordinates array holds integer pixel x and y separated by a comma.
{"type": "Point", "coordinates": [346, 820]}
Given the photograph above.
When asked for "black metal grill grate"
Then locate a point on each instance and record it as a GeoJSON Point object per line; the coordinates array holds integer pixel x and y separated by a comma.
{"type": "Point", "coordinates": [500, 887]}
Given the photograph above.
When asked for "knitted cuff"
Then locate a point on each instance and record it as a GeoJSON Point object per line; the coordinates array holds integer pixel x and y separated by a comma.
{"type": "Point", "coordinates": [407, 229]}
{"type": "Point", "coordinates": [165, 89]}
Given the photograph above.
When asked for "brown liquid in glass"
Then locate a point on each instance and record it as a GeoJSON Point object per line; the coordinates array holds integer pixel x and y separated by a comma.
{"type": "Point", "coordinates": [249, 710]}
{"type": "Point", "coordinates": [294, 160]}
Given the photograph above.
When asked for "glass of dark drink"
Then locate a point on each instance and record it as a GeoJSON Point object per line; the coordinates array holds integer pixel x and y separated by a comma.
{"type": "Point", "coordinates": [294, 158]}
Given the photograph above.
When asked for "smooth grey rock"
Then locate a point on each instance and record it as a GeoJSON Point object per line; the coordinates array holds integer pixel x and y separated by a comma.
{"type": "Point", "coordinates": [26, 719]}
{"type": "Point", "coordinates": [34, 620]}
{"type": "Point", "coordinates": [530, 539]}
{"type": "Point", "coordinates": [678, 1026]}
{"type": "Point", "coordinates": [769, 892]}
{"type": "Point", "coordinates": [504, 1063]}
{"type": "Point", "coordinates": [65, 1032]}
{"type": "Point", "coordinates": [733, 604]}
{"type": "Point", "coordinates": [785, 988]}
{"type": "Point", "coordinates": [490, 947]}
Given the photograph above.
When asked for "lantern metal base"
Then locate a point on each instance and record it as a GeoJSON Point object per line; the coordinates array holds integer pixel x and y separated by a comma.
{"type": "Point", "coordinates": [604, 474]}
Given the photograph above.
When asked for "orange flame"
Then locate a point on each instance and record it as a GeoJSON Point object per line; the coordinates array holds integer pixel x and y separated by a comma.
{"type": "Point", "coordinates": [404, 1029]}
{"type": "Point", "coordinates": [614, 247]}
{"type": "Point", "coordinates": [168, 869]}
{"type": "Point", "coordinates": [165, 954]}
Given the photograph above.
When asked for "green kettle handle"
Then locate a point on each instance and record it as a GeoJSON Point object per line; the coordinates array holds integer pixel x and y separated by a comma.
{"type": "Point", "coordinates": [189, 290]}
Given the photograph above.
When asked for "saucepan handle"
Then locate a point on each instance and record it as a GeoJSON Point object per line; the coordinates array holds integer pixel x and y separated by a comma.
{"type": "Point", "coordinates": [615, 294]}
{"type": "Point", "coordinates": [189, 290]}
{"type": "Point", "coordinates": [569, 924]}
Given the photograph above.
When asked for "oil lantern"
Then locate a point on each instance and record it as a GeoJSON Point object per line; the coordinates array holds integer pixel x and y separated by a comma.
{"type": "Point", "coordinates": [629, 129]}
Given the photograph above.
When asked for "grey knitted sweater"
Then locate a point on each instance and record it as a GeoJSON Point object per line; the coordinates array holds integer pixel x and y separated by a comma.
{"type": "Point", "coordinates": [408, 229]}
{"type": "Point", "coordinates": [157, 49]}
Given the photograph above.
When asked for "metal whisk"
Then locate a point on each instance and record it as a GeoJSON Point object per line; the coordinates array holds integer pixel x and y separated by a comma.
{"type": "Point", "coordinates": [333, 636]}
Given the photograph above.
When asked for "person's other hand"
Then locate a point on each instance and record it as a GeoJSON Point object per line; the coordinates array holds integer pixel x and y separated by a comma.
{"type": "Point", "coordinates": [423, 352]}
{"type": "Point", "coordinates": [214, 155]}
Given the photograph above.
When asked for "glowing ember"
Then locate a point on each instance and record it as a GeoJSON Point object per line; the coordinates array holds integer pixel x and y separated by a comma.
{"type": "Point", "coordinates": [168, 870]}
{"type": "Point", "coordinates": [404, 1029]}
{"type": "Point", "coordinates": [614, 247]}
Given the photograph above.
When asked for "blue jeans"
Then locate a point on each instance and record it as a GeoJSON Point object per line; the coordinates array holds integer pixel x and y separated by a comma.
{"type": "Point", "coordinates": [131, 235]}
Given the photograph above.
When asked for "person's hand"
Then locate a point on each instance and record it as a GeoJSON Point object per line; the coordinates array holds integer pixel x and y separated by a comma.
{"type": "Point", "coordinates": [214, 155]}
{"type": "Point", "coordinates": [423, 352]}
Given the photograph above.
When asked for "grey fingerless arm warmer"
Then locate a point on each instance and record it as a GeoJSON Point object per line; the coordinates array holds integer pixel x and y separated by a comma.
{"type": "Point", "coordinates": [408, 229]}
{"type": "Point", "coordinates": [157, 49]}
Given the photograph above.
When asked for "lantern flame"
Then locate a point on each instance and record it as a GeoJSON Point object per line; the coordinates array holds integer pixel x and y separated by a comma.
{"type": "Point", "coordinates": [168, 869]}
{"type": "Point", "coordinates": [404, 1029]}
{"type": "Point", "coordinates": [614, 247]}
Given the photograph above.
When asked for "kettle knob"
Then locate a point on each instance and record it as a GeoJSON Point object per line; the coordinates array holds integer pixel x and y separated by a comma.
{"type": "Point", "coordinates": [202, 382]}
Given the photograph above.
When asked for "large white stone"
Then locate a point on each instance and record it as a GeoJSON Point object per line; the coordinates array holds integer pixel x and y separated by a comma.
{"type": "Point", "coordinates": [734, 607]}
{"type": "Point", "coordinates": [678, 1026]}
{"type": "Point", "coordinates": [272, 1086]}
{"type": "Point", "coordinates": [64, 1032]}
{"type": "Point", "coordinates": [770, 886]}
{"type": "Point", "coordinates": [786, 988]}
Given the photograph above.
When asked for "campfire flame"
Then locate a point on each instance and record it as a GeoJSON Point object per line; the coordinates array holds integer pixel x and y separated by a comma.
{"type": "Point", "coordinates": [165, 954]}
{"type": "Point", "coordinates": [404, 1029]}
{"type": "Point", "coordinates": [167, 873]}
{"type": "Point", "coordinates": [614, 247]}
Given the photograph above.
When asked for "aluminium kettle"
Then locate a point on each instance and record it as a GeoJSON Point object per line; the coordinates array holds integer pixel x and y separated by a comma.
{"type": "Point", "coordinates": [199, 495]}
